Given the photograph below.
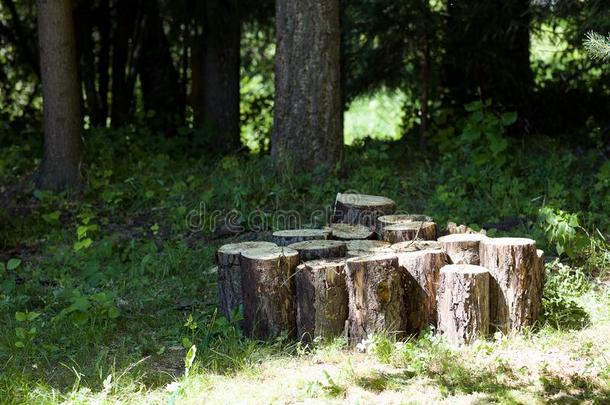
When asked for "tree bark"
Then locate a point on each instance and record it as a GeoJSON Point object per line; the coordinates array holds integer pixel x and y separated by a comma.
{"type": "Point", "coordinates": [376, 296]}
{"type": "Point", "coordinates": [410, 231]}
{"type": "Point", "coordinates": [319, 249]}
{"type": "Point", "coordinates": [463, 303]}
{"type": "Point", "coordinates": [322, 300]}
{"type": "Point", "coordinates": [308, 114]}
{"type": "Point", "coordinates": [421, 270]}
{"type": "Point", "coordinates": [60, 167]}
{"type": "Point", "coordinates": [361, 209]}
{"type": "Point", "coordinates": [267, 279]}
{"type": "Point", "coordinates": [462, 248]}
{"type": "Point", "coordinates": [290, 236]}
{"type": "Point", "coordinates": [517, 275]}
{"type": "Point", "coordinates": [229, 275]}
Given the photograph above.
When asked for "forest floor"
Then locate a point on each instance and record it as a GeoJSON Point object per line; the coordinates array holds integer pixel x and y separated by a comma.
{"type": "Point", "coordinates": [103, 292]}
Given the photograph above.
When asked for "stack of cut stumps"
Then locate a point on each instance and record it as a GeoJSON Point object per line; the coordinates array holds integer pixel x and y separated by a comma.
{"type": "Point", "coordinates": [373, 271]}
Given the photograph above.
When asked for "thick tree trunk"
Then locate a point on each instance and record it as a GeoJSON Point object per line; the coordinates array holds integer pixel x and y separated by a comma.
{"type": "Point", "coordinates": [218, 85]}
{"type": "Point", "coordinates": [361, 209]}
{"type": "Point", "coordinates": [409, 231]}
{"type": "Point", "coordinates": [387, 220]}
{"type": "Point", "coordinates": [421, 270]}
{"type": "Point", "coordinates": [229, 275]}
{"type": "Point", "coordinates": [267, 279]}
{"type": "Point", "coordinates": [463, 303]}
{"type": "Point", "coordinates": [350, 232]}
{"type": "Point", "coordinates": [308, 114]}
{"type": "Point", "coordinates": [60, 167]}
{"type": "Point", "coordinates": [319, 249]}
{"type": "Point", "coordinates": [462, 248]}
{"type": "Point", "coordinates": [376, 296]}
{"type": "Point", "coordinates": [517, 275]}
{"type": "Point", "coordinates": [321, 299]}
{"type": "Point", "coordinates": [290, 236]}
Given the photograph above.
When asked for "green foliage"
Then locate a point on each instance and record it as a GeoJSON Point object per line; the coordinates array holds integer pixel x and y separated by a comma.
{"type": "Point", "coordinates": [562, 287]}
{"type": "Point", "coordinates": [598, 46]}
{"type": "Point", "coordinates": [564, 230]}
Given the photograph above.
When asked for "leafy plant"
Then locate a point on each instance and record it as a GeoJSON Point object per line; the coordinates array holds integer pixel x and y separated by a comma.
{"type": "Point", "coordinates": [25, 334]}
{"type": "Point", "coordinates": [84, 231]}
{"type": "Point", "coordinates": [562, 287]}
{"type": "Point", "coordinates": [564, 230]}
{"type": "Point", "coordinates": [89, 308]}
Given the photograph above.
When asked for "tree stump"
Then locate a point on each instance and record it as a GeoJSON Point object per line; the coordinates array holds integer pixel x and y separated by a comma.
{"type": "Point", "coordinates": [351, 232]}
{"type": "Point", "coordinates": [462, 248]}
{"type": "Point", "coordinates": [387, 220]}
{"type": "Point", "coordinates": [452, 228]}
{"type": "Point", "coordinates": [376, 296]}
{"type": "Point", "coordinates": [290, 236]}
{"type": "Point", "coordinates": [361, 209]}
{"type": "Point", "coordinates": [267, 279]}
{"type": "Point", "coordinates": [415, 245]}
{"type": "Point", "coordinates": [421, 272]}
{"type": "Point", "coordinates": [319, 249]}
{"type": "Point", "coordinates": [229, 275]}
{"type": "Point", "coordinates": [463, 303]}
{"type": "Point", "coordinates": [321, 299]}
{"type": "Point", "coordinates": [517, 275]}
{"type": "Point", "coordinates": [356, 248]}
{"type": "Point", "coordinates": [409, 231]}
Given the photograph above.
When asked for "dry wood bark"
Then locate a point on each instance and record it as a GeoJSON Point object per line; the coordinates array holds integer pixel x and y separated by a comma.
{"type": "Point", "coordinates": [361, 209]}
{"type": "Point", "coordinates": [517, 275]}
{"type": "Point", "coordinates": [229, 275]}
{"type": "Point", "coordinates": [351, 232]}
{"type": "Point", "coordinates": [319, 249]}
{"type": "Point", "coordinates": [409, 231]}
{"type": "Point", "coordinates": [267, 279]}
{"type": "Point", "coordinates": [376, 296]}
{"type": "Point", "coordinates": [463, 303]}
{"type": "Point", "coordinates": [322, 299]}
{"type": "Point", "coordinates": [462, 248]}
{"type": "Point", "coordinates": [289, 236]}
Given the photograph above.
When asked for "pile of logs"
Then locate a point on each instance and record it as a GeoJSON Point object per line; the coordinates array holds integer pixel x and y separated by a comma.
{"type": "Point", "coordinates": [374, 271]}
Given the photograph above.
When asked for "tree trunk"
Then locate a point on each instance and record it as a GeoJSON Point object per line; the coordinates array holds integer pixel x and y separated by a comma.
{"type": "Point", "coordinates": [322, 301]}
{"type": "Point", "coordinates": [229, 275]}
{"type": "Point", "coordinates": [387, 220]}
{"type": "Point", "coordinates": [319, 249]}
{"type": "Point", "coordinates": [415, 245]}
{"type": "Point", "coordinates": [356, 248]}
{"type": "Point", "coordinates": [410, 231]}
{"type": "Point", "coordinates": [267, 279]}
{"type": "Point", "coordinates": [517, 276]}
{"type": "Point", "coordinates": [376, 296]}
{"type": "Point", "coordinates": [290, 236]}
{"type": "Point", "coordinates": [350, 232]}
{"type": "Point", "coordinates": [361, 209]}
{"type": "Point", "coordinates": [60, 167]}
{"type": "Point", "coordinates": [463, 303]}
{"type": "Point", "coordinates": [462, 248]}
{"type": "Point", "coordinates": [218, 86]}
{"type": "Point", "coordinates": [421, 270]}
{"type": "Point", "coordinates": [308, 114]}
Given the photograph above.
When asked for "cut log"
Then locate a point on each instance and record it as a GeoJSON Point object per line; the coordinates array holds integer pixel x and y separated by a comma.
{"type": "Point", "coordinates": [387, 220]}
{"type": "Point", "coordinates": [361, 209]}
{"type": "Point", "coordinates": [415, 245]}
{"type": "Point", "coordinates": [289, 236]}
{"type": "Point", "coordinates": [452, 228]}
{"type": "Point", "coordinates": [376, 296]}
{"type": "Point", "coordinates": [516, 281]}
{"type": "Point", "coordinates": [321, 299]}
{"type": "Point", "coordinates": [463, 303]}
{"type": "Point", "coordinates": [462, 248]}
{"type": "Point", "coordinates": [421, 272]}
{"type": "Point", "coordinates": [319, 249]}
{"type": "Point", "coordinates": [356, 248]}
{"type": "Point", "coordinates": [229, 276]}
{"type": "Point", "coordinates": [409, 231]}
{"type": "Point", "coordinates": [351, 232]}
{"type": "Point", "coordinates": [267, 279]}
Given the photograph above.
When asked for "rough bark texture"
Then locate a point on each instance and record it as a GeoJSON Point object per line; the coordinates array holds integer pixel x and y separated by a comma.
{"type": "Point", "coordinates": [462, 248]}
{"type": "Point", "coordinates": [308, 113]}
{"type": "Point", "coordinates": [409, 231]}
{"type": "Point", "coordinates": [376, 296]}
{"type": "Point", "coordinates": [421, 270]}
{"type": "Point", "coordinates": [361, 209]}
{"type": "Point", "coordinates": [60, 167]}
{"type": "Point", "coordinates": [415, 245]}
{"type": "Point", "coordinates": [267, 279]}
{"type": "Point", "coordinates": [219, 92]}
{"type": "Point", "coordinates": [356, 248]}
{"type": "Point", "coordinates": [319, 249]}
{"type": "Point", "coordinates": [516, 281]}
{"type": "Point", "coordinates": [463, 303]}
{"type": "Point", "coordinates": [290, 236]}
{"type": "Point", "coordinates": [321, 299]}
{"type": "Point", "coordinates": [229, 275]}
{"type": "Point", "coordinates": [351, 232]}
{"type": "Point", "coordinates": [386, 220]}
